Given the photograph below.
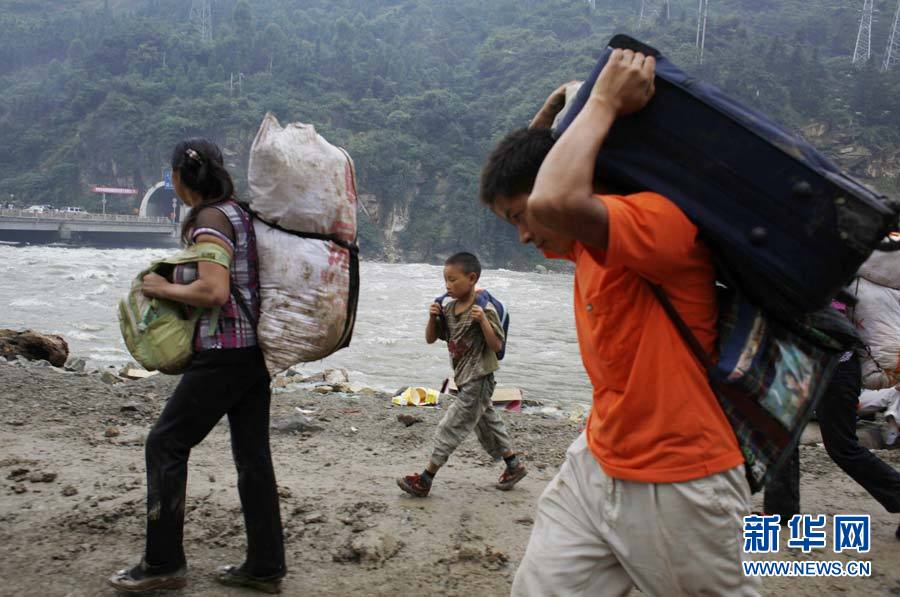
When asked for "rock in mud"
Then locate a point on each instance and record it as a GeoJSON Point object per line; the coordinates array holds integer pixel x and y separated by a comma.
{"type": "Point", "coordinates": [34, 346]}
{"type": "Point", "coordinates": [42, 477]}
{"type": "Point", "coordinates": [409, 420]}
{"type": "Point", "coordinates": [111, 432]}
{"type": "Point", "coordinates": [110, 378]}
{"type": "Point", "coordinates": [295, 424]}
{"type": "Point", "coordinates": [336, 376]}
{"type": "Point", "coordinates": [369, 547]}
{"type": "Point", "coordinates": [69, 491]}
{"type": "Point", "coordinates": [314, 518]}
{"type": "Point", "coordinates": [76, 365]}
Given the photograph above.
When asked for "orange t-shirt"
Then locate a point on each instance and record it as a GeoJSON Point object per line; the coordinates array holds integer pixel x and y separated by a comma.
{"type": "Point", "coordinates": [654, 417]}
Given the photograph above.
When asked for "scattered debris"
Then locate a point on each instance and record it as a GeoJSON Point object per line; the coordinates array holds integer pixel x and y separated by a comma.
{"type": "Point", "coordinates": [136, 373]}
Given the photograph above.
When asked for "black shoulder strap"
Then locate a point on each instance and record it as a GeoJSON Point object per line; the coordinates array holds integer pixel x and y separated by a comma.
{"type": "Point", "coordinates": [750, 410]}
{"type": "Point", "coordinates": [243, 306]}
{"type": "Point", "coordinates": [682, 327]}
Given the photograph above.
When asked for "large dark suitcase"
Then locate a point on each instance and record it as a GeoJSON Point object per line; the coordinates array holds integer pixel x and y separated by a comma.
{"type": "Point", "coordinates": [785, 221]}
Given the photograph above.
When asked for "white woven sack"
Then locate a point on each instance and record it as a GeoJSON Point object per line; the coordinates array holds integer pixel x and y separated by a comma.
{"type": "Point", "coordinates": [301, 182]}
{"type": "Point", "coordinates": [882, 268]}
{"type": "Point", "coordinates": [877, 315]}
{"type": "Point", "coordinates": [304, 285]}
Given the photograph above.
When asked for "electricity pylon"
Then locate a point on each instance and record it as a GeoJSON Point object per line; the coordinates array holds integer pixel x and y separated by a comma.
{"type": "Point", "coordinates": [893, 45]}
{"type": "Point", "coordinates": [201, 17]}
{"type": "Point", "coordinates": [863, 50]}
{"type": "Point", "coordinates": [702, 15]}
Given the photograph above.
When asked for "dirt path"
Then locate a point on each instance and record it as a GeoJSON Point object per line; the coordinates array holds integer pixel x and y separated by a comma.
{"type": "Point", "coordinates": [349, 530]}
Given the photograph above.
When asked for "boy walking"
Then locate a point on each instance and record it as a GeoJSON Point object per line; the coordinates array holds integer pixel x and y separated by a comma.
{"type": "Point", "coordinates": [653, 493]}
{"type": "Point", "coordinates": [474, 337]}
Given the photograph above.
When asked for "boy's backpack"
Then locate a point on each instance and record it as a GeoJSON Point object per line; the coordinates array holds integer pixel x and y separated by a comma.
{"type": "Point", "coordinates": [303, 201]}
{"type": "Point", "coordinates": [786, 221]}
{"type": "Point", "coordinates": [158, 333]}
{"type": "Point", "coordinates": [482, 298]}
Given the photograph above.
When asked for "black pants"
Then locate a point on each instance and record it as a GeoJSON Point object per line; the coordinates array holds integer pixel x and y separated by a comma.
{"type": "Point", "coordinates": [837, 420]}
{"type": "Point", "coordinates": [218, 382]}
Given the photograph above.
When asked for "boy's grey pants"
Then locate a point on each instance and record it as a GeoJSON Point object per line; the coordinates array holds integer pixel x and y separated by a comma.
{"type": "Point", "coordinates": [472, 409]}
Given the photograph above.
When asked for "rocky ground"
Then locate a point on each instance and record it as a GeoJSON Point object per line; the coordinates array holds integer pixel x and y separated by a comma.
{"type": "Point", "coordinates": [72, 494]}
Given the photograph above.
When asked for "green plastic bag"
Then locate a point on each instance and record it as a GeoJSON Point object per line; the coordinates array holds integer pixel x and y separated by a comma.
{"type": "Point", "coordinates": [158, 333]}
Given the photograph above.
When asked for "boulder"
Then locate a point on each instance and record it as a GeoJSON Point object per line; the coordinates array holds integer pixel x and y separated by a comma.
{"type": "Point", "coordinates": [76, 364]}
{"type": "Point", "coordinates": [34, 346]}
{"type": "Point", "coordinates": [336, 376]}
{"type": "Point", "coordinates": [110, 378]}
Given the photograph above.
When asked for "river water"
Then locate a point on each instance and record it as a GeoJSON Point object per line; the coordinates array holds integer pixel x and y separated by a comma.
{"type": "Point", "coordinates": [74, 292]}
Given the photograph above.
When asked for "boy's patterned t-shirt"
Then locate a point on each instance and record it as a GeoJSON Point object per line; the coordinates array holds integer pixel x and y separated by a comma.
{"type": "Point", "coordinates": [472, 358]}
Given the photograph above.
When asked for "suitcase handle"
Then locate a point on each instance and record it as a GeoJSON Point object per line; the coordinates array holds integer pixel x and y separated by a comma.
{"type": "Point", "coordinates": [621, 41]}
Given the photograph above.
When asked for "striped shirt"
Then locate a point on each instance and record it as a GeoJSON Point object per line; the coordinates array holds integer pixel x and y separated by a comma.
{"type": "Point", "coordinates": [232, 329]}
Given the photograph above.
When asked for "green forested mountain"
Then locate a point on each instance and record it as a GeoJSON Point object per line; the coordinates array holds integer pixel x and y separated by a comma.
{"type": "Point", "coordinates": [417, 90]}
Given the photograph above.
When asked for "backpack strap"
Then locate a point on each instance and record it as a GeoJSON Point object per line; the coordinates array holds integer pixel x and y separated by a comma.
{"type": "Point", "coordinates": [686, 334]}
{"type": "Point", "coordinates": [750, 410]}
{"type": "Point", "coordinates": [243, 306]}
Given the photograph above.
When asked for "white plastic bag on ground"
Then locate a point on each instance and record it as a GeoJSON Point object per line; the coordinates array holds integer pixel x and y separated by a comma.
{"type": "Point", "coordinates": [877, 315]}
{"type": "Point", "coordinates": [300, 185]}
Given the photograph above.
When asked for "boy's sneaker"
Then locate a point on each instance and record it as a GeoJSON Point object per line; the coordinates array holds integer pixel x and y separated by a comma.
{"type": "Point", "coordinates": [414, 485]}
{"type": "Point", "coordinates": [510, 477]}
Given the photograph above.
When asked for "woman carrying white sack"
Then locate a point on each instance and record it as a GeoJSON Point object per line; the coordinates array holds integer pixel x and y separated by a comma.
{"type": "Point", "coordinates": [227, 376]}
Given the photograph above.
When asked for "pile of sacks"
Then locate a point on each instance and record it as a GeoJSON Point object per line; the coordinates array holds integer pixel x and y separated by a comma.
{"type": "Point", "coordinates": [877, 315]}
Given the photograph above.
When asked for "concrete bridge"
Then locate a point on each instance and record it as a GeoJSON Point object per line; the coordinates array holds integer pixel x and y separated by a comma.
{"type": "Point", "coordinates": [52, 226]}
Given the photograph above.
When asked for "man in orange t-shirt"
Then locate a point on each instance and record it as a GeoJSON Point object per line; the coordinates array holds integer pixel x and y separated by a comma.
{"type": "Point", "coordinates": [653, 493]}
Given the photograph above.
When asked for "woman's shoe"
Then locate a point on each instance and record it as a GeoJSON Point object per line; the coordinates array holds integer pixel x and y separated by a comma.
{"type": "Point", "coordinates": [140, 579]}
{"type": "Point", "coordinates": [235, 577]}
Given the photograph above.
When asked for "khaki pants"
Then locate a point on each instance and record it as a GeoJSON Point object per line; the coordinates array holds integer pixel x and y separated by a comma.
{"type": "Point", "coordinates": [595, 535]}
{"type": "Point", "coordinates": [472, 410]}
